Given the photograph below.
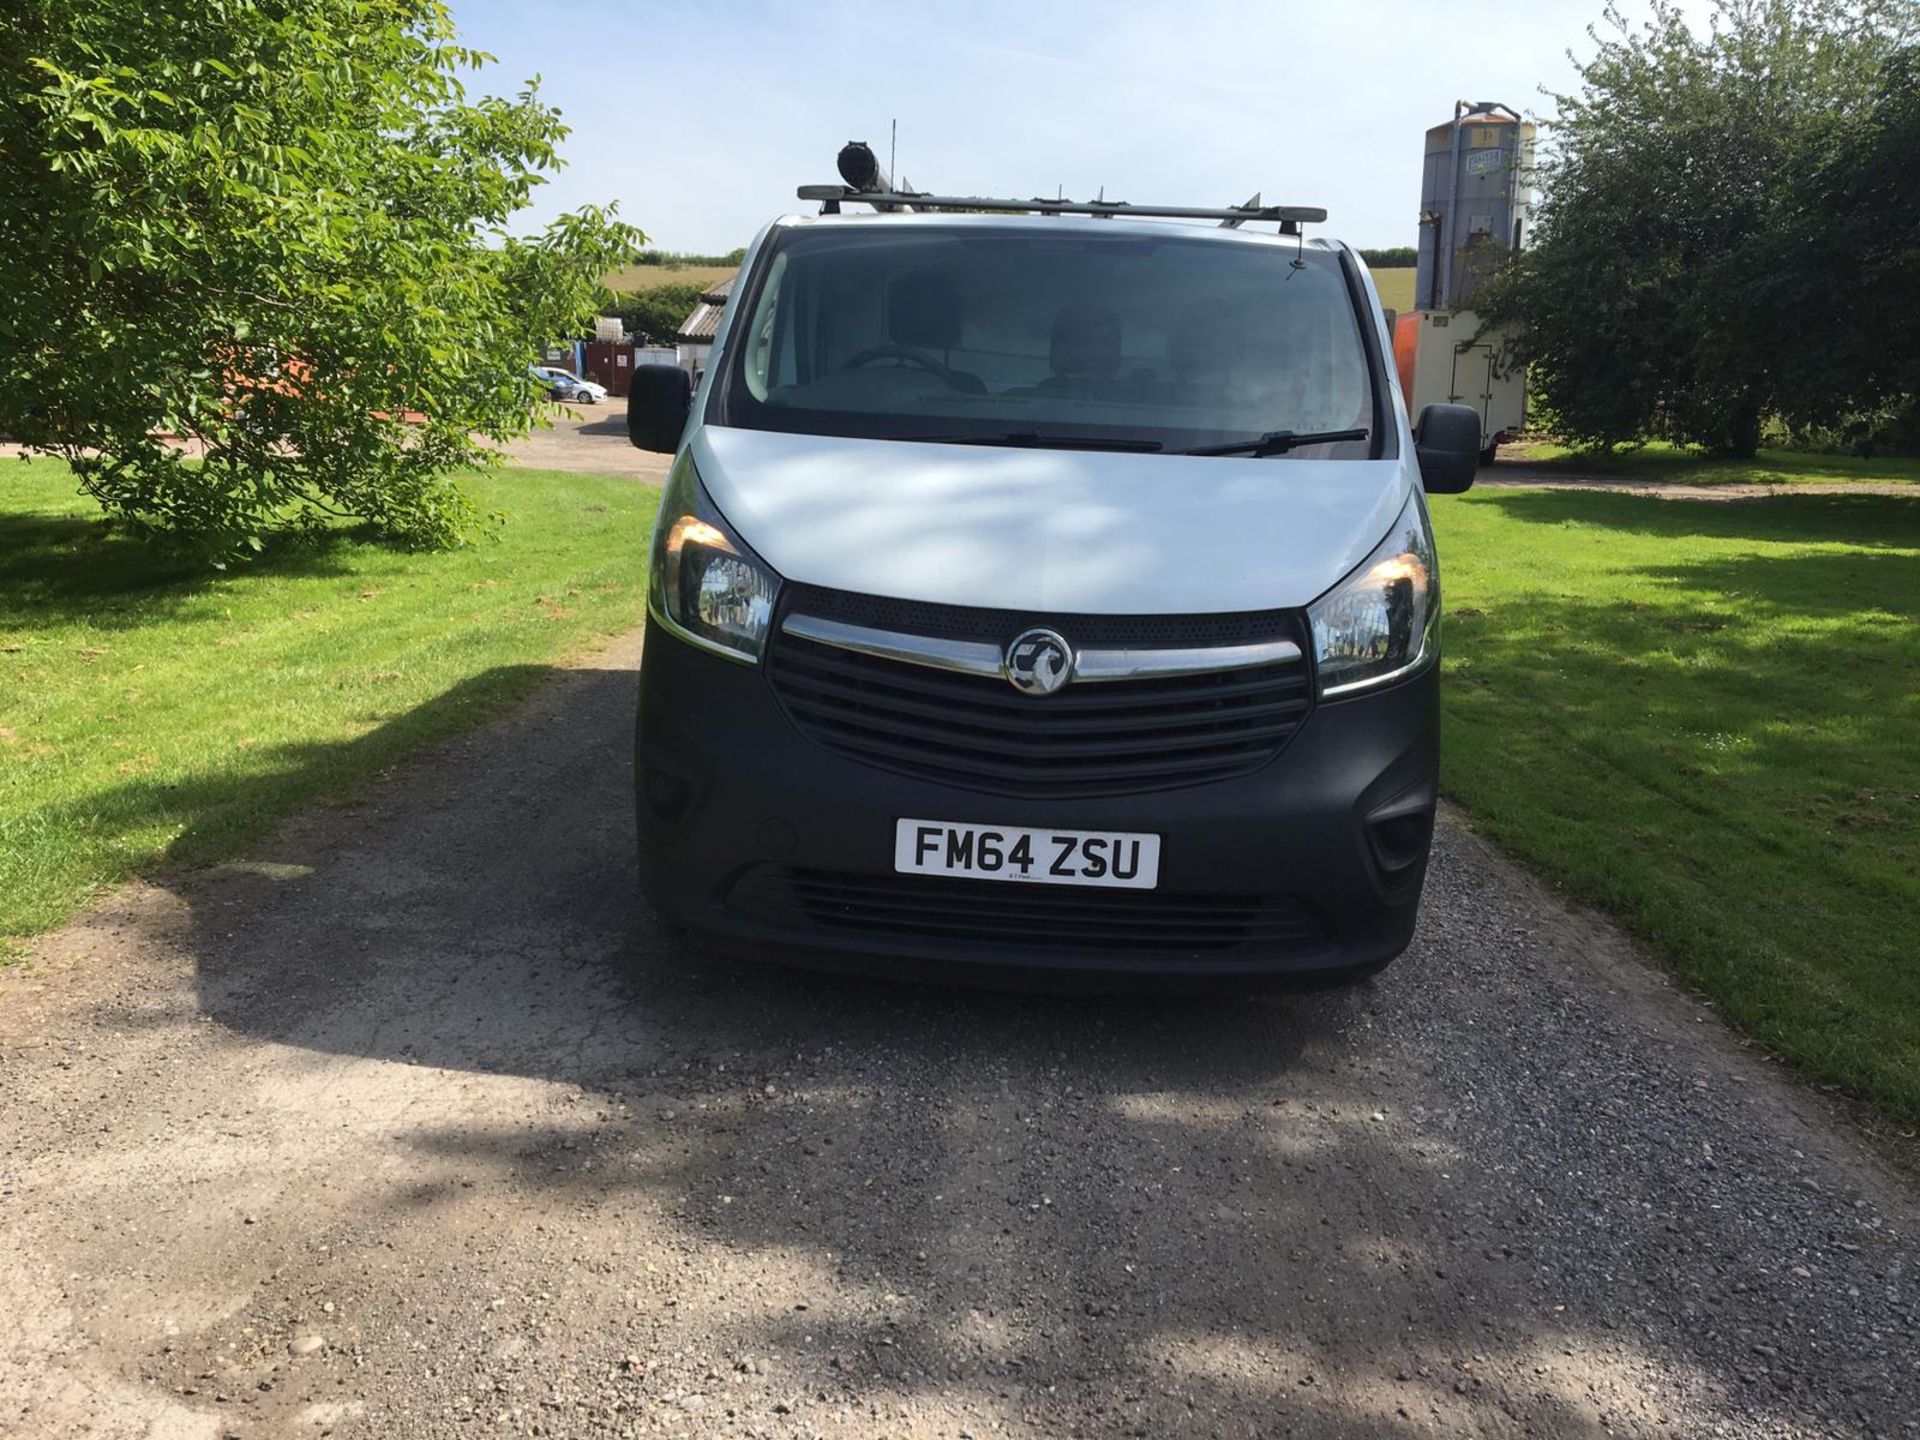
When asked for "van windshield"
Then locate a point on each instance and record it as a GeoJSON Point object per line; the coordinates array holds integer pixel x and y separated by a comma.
{"type": "Point", "coordinates": [995, 335]}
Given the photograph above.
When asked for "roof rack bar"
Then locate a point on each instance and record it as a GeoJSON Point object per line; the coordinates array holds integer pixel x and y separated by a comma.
{"type": "Point", "coordinates": [1237, 222]}
{"type": "Point", "coordinates": [890, 199]}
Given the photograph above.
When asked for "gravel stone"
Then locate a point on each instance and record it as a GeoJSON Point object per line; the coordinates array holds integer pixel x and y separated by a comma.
{"type": "Point", "coordinates": [1519, 1185]}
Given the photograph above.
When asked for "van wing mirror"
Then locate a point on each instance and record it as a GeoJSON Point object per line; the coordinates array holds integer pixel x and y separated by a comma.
{"type": "Point", "coordinates": [1447, 443]}
{"type": "Point", "coordinates": [659, 399]}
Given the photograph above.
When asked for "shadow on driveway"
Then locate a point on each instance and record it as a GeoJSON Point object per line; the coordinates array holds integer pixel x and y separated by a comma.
{"type": "Point", "coordinates": [1464, 1196]}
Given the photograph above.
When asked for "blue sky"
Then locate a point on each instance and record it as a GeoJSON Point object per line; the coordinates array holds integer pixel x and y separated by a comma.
{"type": "Point", "coordinates": [700, 116]}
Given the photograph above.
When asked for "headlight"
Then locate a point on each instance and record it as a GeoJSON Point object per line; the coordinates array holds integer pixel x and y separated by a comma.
{"type": "Point", "coordinates": [707, 586]}
{"type": "Point", "coordinates": [1383, 621]}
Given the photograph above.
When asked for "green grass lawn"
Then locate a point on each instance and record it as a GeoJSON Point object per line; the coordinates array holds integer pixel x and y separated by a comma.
{"type": "Point", "coordinates": [1705, 717]}
{"type": "Point", "coordinates": [1696, 467]}
{"type": "Point", "coordinates": [153, 710]}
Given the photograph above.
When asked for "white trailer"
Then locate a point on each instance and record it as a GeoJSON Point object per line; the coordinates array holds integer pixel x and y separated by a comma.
{"type": "Point", "coordinates": [1443, 359]}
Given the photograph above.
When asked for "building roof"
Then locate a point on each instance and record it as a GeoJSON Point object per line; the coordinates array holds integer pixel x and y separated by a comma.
{"type": "Point", "coordinates": [704, 322]}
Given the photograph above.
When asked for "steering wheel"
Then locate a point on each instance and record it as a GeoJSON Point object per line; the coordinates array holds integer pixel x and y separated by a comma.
{"type": "Point", "coordinates": [913, 357]}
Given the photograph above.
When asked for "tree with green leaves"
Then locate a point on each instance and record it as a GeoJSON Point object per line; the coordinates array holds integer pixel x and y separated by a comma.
{"type": "Point", "coordinates": [1671, 281]}
{"type": "Point", "coordinates": [658, 313]}
{"type": "Point", "coordinates": [1860, 223]}
{"type": "Point", "coordinates": [276, 229]}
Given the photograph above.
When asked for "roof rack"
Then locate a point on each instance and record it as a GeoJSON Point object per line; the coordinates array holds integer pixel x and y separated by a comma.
{"type": "Point", "coordinates": [834, 196]}
{"type": "Point", "coordinates": [868, 184]}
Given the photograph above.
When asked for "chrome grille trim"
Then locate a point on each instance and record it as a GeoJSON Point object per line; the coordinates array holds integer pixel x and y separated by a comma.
{"type": "Point", "coordinates": [964, 657]}
{"type": "Point", "coordinates": [1091, 665]}
{"type": "Point", "coordinates": [968, 657]}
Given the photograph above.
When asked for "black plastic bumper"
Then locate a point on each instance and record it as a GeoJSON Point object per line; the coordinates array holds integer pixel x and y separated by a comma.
{"type": "Point", "coordinates": [734, 803]}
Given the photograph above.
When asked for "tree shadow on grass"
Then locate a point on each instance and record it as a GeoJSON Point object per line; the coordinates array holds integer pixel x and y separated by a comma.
{"type": "Point", "coordinates": [57, 569]}
{"type": "Point", "coordinates": [1816, 585]}
{"type": "Point", "coordinates": [1697, 467]}
{"type": "Point", "coordinates": [212, 815]}
{"type": "Point", "coordinates": [1865, 520]}
{"type": "Point", "coordinates": [1731, 765]}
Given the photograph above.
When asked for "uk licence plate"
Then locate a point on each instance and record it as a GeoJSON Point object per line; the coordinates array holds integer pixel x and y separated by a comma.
{"type": "Point", "coordinates": [1114, 858]}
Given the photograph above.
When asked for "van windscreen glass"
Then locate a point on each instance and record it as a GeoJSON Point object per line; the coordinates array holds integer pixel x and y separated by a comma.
{"type": "Point", "coordinates": [1004, 335]}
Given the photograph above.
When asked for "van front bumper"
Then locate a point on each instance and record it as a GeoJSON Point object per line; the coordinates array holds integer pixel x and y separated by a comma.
{"type": "Point", "coordinates": [758, 841]}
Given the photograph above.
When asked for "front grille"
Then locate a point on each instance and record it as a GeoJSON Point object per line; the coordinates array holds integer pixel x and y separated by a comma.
{"type": "Point", "coordinates": [918, 909]}
{"type": "Point", "coordinates": [996, 627]}
{"type": "Point", "coordinates": [1111, 737]}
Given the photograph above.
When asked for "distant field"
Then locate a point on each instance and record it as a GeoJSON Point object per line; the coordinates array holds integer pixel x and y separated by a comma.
{"type": "Point", "coordinates": [651, 277]}
{"type": "Point", "coordinates": [1395, 287]}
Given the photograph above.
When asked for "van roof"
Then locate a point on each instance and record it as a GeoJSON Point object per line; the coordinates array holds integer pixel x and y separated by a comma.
{"type": "Point", "coordinates": [1087, 224]}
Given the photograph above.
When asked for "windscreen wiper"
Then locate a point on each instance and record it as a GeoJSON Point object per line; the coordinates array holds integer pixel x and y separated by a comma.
{"type": "Point", "coordinates": [1278, 442]}
{"type": "Point", "coordinates": [1034, 440]}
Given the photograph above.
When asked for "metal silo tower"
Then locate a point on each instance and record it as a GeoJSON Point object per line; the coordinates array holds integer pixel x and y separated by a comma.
{"type": "Point", "coordinates": [1475, 203]}
{"type": "Point", "coordinates": [1475, 209]}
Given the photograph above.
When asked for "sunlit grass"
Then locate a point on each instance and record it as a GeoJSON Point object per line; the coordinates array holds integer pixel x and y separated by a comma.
{"type": "Point", "coordinates": [152, 709]}
{"type": "Point", "coordinates": [1706, 717]}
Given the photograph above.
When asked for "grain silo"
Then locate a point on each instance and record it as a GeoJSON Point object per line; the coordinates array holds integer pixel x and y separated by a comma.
{"type": "Point", "coordinates": [1476, 205]}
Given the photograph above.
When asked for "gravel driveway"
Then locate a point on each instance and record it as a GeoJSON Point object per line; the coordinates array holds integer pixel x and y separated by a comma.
{"type": "Point", "coordinates": [591, 439]}
{"type": "Point", "coordinates": [415, 1124]}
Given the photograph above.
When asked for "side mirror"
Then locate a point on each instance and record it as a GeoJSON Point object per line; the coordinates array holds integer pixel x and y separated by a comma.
{"type": "Point", "coordinates": [658, 403]}
{"type": "Point", "coordinates": [1447, 443]}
